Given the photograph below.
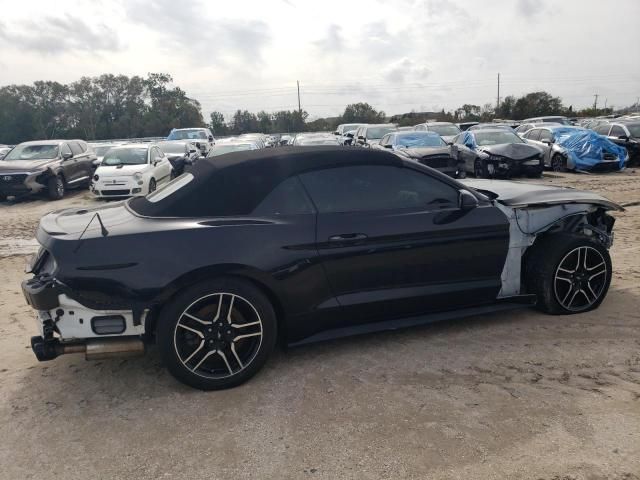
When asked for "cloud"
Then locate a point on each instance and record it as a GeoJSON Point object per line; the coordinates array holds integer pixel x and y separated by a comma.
{"type": "Point", "coordinates": [333, 41]}
{"type": "Point", "coordinates": [378, 43]}
{"type": "Point", "coordinates": [530, 8]}
{"type": "Point", "coordinates": [406, 69]}
{"type": "Point", "coordinates": [54, 35]}
{"type": "Point", "coordinates": [186, 25]}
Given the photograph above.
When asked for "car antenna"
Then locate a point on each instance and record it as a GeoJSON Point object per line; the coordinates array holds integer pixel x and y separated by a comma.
{"type": "Point", "coordinates": [103, 230]}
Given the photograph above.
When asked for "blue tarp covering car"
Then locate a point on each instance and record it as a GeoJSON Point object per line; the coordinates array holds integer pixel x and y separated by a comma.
{"type": "Point", "coordinates": [586, 149]}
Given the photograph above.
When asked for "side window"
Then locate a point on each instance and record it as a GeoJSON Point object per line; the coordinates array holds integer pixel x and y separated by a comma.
{"type": "Point", "coordinates": [65, 149]}
{"type": "Point", "coordinates": [385, 140]}
{"type": "Point", "coordinates": [617, 131]}
{"type": "Point", "coordinates": [533, 134]}
{"type": "Point", "coordinates": [545, 135]}
{"type": "Point", "coordinates": [459, 140]}
{"type": "Point", "coordinates": [288, 198]}
{"type": "Point", "coordinates": [376, 188]}
{"type": "Point", "coordinates": [603, 129]}
{"type": "Point", "coordinates": [83, 146]}
{"type": "Point", "coordinates": [75, 148]}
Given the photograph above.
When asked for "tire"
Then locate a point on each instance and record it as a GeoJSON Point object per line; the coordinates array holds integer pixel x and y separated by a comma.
{"type": "Point", "coordinates": [56, 187]}
{"type": "Point", "coordinates": [152, 186]}
{"type": "Point", "coordinates": [461, 175]}
{"type": "Point", "coordinates": [219, 354]}
{"type": "Point", "coordinates": [548, 273]}
{"type": "Point", "coordinates": [558, 163]}
{"type": "Point", "coordinates": [480, 169]}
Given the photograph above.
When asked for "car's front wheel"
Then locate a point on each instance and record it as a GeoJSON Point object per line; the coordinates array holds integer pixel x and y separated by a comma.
{"type": "Point", "coordinates": [217, 334]}
{"type": "Point", "coordinates": [569, 273]}
{"type": "Point", "coordinates": [55, 187]}
{"type": "Point", "coordinates": [558, 163]}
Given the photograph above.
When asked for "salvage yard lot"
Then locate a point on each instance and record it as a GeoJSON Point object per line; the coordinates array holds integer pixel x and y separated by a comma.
{"type": "Point", "coordinates": [509, 395]}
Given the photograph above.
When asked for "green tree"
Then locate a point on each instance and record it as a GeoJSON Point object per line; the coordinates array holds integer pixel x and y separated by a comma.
{"type": "Point", "coordinates": [362, 112]}
{"type": "Point", "coordinates": [217, 124]}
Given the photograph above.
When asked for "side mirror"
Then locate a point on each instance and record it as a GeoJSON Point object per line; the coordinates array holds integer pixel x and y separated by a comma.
{"type": "Point", "coordinates": [468, 201]}
{"type": "Point", "coordinates": [336, 133]}
{"type": "Point", "coordinates": [211, 138]}
{"type": "Point", "coordinates": [67, 155]}
{"type": "Point", "coordinates": [350, 135]}
{"type": "Point", "coordinates": [624, 137]}
{"type": "Point", "coordinates": [388, 146]}
{"type": "Point", "coordinates": [449, 143]}
{"type": "Point", "coordinates": [192, 150]}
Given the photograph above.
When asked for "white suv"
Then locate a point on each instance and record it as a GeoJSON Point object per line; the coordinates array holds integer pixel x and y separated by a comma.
{"type": "Point", "coordinates": [131, 170]}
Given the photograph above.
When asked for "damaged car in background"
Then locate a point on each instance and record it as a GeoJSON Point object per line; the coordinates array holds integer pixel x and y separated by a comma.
{"type": "Point", "coordinates": [497, 152]}
{"type": "Point", "coordinates": [425, 147]}
{"type": "Point", "coordinates": [574, 148]}
{"type": "Point", "coordinates": [48, 166]}
{"type": "Point", "coordinates": [306, 244]}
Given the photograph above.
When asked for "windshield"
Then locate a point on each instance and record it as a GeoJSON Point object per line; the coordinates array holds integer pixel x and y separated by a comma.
{"type": "Point", "coordinates": [222, 149]}
{"type": "Point", "coordinates": [496, 138]}
{"type": "Point", "coordinates": [173, 147]}
{"type": "Point", "coordinates": [100, 151]}
{"type": "Point", "coordinates": [32, 152]}
{"type": "Point", "coordinates": [634, 129]}
{"type": "Point", "coordinates": [378, 132]}
{"type": "Point", "coordinates": [187, 135]}
{"type": "Point", "coordinates": [445, 130]}
{"type": "Point", "coordinates": [125, 156]}
{"type": "Point", "coordinates": [420, 139]}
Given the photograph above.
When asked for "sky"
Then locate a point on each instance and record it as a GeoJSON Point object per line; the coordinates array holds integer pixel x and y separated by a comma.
{"type": "Point", "coordinates": [399, 56]}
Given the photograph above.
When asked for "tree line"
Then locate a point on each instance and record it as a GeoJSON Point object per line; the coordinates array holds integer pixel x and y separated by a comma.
{"type": "Point", "coordinates": [117, 106]}
{"type": "Point", "coordinates": [108, 106]}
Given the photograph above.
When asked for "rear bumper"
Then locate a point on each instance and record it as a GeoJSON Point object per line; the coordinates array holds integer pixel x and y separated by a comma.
{"type": "Point", "coordinates": [58, 314]}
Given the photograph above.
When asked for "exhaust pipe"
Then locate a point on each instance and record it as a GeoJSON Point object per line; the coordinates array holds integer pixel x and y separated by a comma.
{"type": "Point", "coordinates": [93, 349]}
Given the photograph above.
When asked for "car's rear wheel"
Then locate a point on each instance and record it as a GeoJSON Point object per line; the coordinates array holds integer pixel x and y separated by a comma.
{"type": "Point", "coordinates": [569, 273]}
{"type": "Point", "coordinates": [55, 187]}
{"type": "Point", "coordinates": [217, 334]}
{"type": "Point", "coordinates": [558, 163]}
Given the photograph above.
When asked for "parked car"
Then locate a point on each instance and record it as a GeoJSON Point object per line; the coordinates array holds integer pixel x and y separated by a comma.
{"type": "Point", "coordinates": [343, 129]}
{"type": "Point", "coordinates": [100, 149]}
{"type": "Point", "coordinates": [491, 126]}
{"type": "Point", "coordinates": [464, 126]}
{"type": "Point", "coordinates": [575, 148]}
{"type": "Point", "coordinates": [446, 130]}
{"type": "Point", "coordinates": [131, 170]}
{"type": "Point", "coordinates": [311, 139]}
{"type": "Point", "coordinates": [561, 119]}
{"type": "Point", "coordinates": [201, 137]}
{"type": "Point", "coordinates": [525, 127]}
{"type": "Point", "coordinates": [427, 148]}
{"type": "Point", "coordinates": [369, 135]}
{"type": "Point", "coordinates": [50, 166]}
{"type": "Point", "coordinates": [180, 154]}
{"type": "Point", "coordinates": [328, 241]}
{"type": "Point", "coordinates": [495, 152]}
{"type": "Point", "coordinates": [625, 133]}
{"type": "Point", "coordinates": [229, 147]}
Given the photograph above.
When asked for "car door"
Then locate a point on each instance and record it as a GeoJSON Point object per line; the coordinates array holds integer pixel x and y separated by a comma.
{"type": "Point", "coordinates": [394, 241]}
{"type": "Point", "coordinates": [533, 137]}
{"type": "Point", "coordinates": [161, 165]}
{"type": "Point", "coordinates": [84, 161]}
{"type": "Point", "coordinates": [70, 166]}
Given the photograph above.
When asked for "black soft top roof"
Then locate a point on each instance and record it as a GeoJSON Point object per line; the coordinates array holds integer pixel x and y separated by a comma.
{"type": "Point", "coordinates": [236, 183]}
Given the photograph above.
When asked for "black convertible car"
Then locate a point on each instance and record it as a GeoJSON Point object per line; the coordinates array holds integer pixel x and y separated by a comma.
{"type": "Point", "coordinates": [305, 244]}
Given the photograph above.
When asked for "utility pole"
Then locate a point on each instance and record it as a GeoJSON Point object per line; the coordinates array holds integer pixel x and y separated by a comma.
{"type": "Point", "coordinates": [299, 107]}
{"type": "Point", "coordinates": [595, 104]}
{"type": "Point", "coordinates": [498, 102]}
{"type": "Point", "coordinates": [605, 105]}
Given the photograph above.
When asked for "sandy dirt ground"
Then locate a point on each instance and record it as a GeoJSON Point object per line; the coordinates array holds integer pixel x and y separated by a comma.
{"type": "Point", "coordinates": [511, 395]}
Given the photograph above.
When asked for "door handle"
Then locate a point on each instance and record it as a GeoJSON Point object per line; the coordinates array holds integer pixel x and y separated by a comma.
{"type": "Point", "coordinates": [347, 238]}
